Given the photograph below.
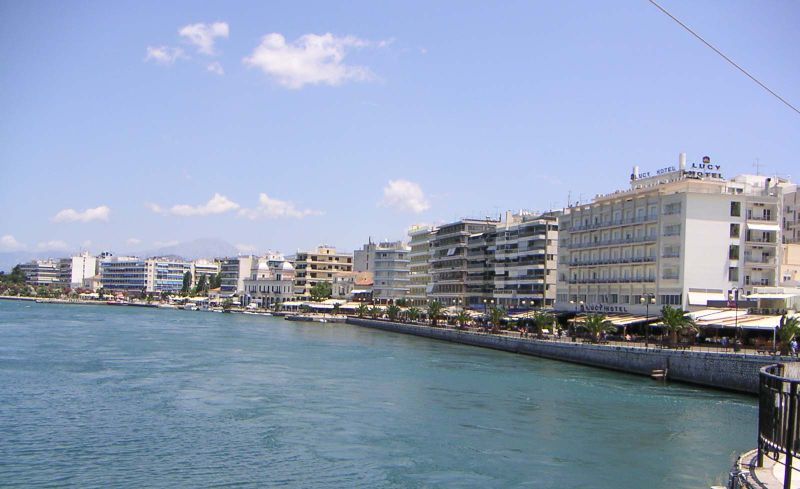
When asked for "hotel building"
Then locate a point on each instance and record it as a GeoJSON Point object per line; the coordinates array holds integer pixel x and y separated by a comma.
{"type": "Point", "coordinates": [320, 265]}
{"type": "Point", "coordinates": [271, 281]}
{"type": "Point", "coordinates": [391, 280]}
{"type": "Point", "coordinates": [204, 268]}
{"type": "Point", "coordinates": [448, 259]}
{"type": "Point", "coordinates": [419, 264]}
{"type": "Point", "coordinates": [682, 236]}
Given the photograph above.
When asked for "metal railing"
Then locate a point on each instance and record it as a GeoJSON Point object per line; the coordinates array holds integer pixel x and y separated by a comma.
{"type": "Point", "coordinates": [778, 429]}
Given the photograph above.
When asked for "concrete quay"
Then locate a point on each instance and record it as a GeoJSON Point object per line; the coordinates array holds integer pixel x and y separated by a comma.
{"type": "Point", "coordinates": [735, 372]}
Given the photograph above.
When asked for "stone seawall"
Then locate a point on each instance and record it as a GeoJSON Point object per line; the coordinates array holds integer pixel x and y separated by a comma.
{"type": "Point", "coordinates": [728, 371]}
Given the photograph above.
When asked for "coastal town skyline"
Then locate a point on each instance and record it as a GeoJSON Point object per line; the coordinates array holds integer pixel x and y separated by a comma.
{"type": "Point", "coordinates": [362, 141]}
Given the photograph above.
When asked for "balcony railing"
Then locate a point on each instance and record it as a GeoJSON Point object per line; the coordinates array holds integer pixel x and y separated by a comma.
{"type": "Point", "coordinates": [612, 261]}
{"type": "Point", "coordinates": [612, 242]}
{"type": "Point", "coordinates": [627, 280]}
{"type": "Point", "coordinates": [778, 427]}
{"type": "Point", "coordinates": [614, 222]}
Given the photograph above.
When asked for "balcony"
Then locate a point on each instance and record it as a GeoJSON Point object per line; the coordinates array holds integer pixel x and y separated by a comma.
{"type": "Point", "coordinates": [612, 261]}
{"type": "Point", "coordinates": [616, 222]}
{"type": "Point", "coordinates": [612, 242]}
{"type": "Point", "coordinates": [624, 280]}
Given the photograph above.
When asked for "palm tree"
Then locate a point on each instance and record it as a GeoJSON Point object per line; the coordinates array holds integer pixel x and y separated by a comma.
{"type": "Point", "coordinates": [413, 314]}
{"type": "Point", "coordinates": [362, 310]}
{"type": "Point", "coordinates": [463, 318]}
{"type": "Point", "coordinates": [393, 310]}
{"type": "Point", "coordinates": [542, 320]}
{"type": "Point", "coordinates": [374, 311]}
{"type": "Point", "coordinates": [789, 328]}
{"type": "Point", "coordinates": [434, 312]}
{"type": "Point", "coordinates": [676, 321]}
{"type": "Point", "coordinates": [596, 324]}
{"type": "Point", "coordinates": [496, 315]}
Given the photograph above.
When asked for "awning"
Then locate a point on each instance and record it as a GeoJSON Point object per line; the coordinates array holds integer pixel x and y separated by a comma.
{"type": "Point", "coordinates": [763, 227]}
{"type": "Point", "coordinates": [621, 320]}
{"type": "Point", "coordinates": [702, 298]}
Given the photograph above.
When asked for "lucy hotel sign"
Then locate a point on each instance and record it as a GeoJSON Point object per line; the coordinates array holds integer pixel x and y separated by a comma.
{"type": "Point", "coordinates": [706, 169]}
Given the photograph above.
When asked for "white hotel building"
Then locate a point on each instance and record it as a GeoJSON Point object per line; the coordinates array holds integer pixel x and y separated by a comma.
{"type": "Point", "coordinates": [684, 234]}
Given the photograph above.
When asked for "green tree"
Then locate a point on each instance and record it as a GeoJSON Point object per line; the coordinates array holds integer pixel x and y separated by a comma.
{"type": "Point", "coordinates": [677, 321]}
{"type": "Point", "coordinates": [596, 324]}
{"type": "Point", "coordinates": [336, 309]}
{"type": "Point", "coordinates": [789, 328]}
{"type": "Point", "coordinates": [463, 318]}
{"type": "Point", "coordinates": [202, 285]}
{"type": "Point", "coordinates": [375, 311]}
{"type": "Point", "coordinates": [393, 311]}
{"type": "Point", "coordinates": [215, 281]}
{"type": "Point", "coordinates": [321, 291]}
{"type": "Point", "coordinates": [362, 310]}
{"type": "Point", "coordinates": [401, 302]}
{"type": "Point", "coordinates": [496, 315]}
{"type": "Point", "coordinates": [435, 309]}
{"type": "Point", "coordinates": [542, 321]}
{"type": "Point", "coordinates": [187, 283]}
{"type": "Point", "coordinates": [17, 276]}
{"type": "Point", "coordinates": [227, 304]}
{"type": "Point", "coordinates": [413, 313]}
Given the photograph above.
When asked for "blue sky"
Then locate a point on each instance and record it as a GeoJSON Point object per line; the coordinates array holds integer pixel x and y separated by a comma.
{"type": "Point", "coordinates": [167, 121]}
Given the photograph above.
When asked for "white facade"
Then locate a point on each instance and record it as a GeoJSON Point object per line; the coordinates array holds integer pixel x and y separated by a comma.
{"type": "Point", "coordinates": [203, 268]}
{"type": "Point", "coordinates": [419, 264]}
{"type": "Point", "coordinates": [684, 236]}
{"type": "Point", "coordinates": [271, 281]}
{"type": "Point", "coordinates": [391, 280]}
{"type": "Point", "coordinates": [74, 271]}
{"type": "Point", "coordinates": [233, 272]}
{"type": "Point", "coordinates": [320, 265]}
{"type": "Point", "coordinates": [129, 274]}
{"type": "Point", "coordinates": [41, 272]}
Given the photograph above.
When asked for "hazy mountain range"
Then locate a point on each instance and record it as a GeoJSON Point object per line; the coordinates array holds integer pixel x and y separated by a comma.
{"type": "Point", "coordinates": [190, 250]}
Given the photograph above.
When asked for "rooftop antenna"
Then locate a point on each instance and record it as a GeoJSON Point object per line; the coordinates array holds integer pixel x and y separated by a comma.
{"type": "Point", "coordinates": [757, 164]}
{"type": "Point", "coordinates": [569, 198]}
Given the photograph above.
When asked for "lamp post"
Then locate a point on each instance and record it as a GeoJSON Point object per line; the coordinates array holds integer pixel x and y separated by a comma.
{"type": "Point", "coordinates": [733, 295]}
{"type": "Point", "coordinates": [647, 299]}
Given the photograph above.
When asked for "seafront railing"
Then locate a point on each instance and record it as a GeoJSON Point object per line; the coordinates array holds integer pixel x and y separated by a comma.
{"type": "Point", "coordinates": [778, 428]}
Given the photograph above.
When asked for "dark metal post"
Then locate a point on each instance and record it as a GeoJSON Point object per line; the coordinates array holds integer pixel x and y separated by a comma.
{"type": "Point", "coordinates": [790, 425]}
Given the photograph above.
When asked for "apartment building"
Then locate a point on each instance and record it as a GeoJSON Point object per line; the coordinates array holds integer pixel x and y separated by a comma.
{"type": "Point", "coordinates": [391, 281]}
{"type": "Point", "coordinates": [41, 272]}
{"type": "Point", "coordinates": [682, 235]}
{"type": "Point", "coordinates": [271, 281]}
{"type": "Point", "coordinates": [130, 274]}
{"type": "Point", "coordinates": [319, 265]}
{"type": "Point", "coordinates": [233, 272]}
{"type": "Point", "coordinates": [481, 249]}
{"type": "Point", "coordinates": [448, 259]}
{"type": "Point", "coordinates": [525, 261]}
{"type": "Point", "coordinates": [419, 264]}
{"type": "Point", "coordinates": [364, 259]}
{"type": "Point", "coordinates": [791, 216]}
{"type": "Point", "coordinates": [74, 271]}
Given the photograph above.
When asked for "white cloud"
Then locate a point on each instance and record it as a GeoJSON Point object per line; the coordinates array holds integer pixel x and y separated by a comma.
{"type": "Point", "coordinates": [133, 241]}
{"type": "Point", "coordinates": [405, 196]}
{"type": "Point", "coordinates": [270, 208]}
{"type": "Point", "coordinates": [203, 36]}
{"type": "Point", "coordinates": [53, 245]}
{"type": "Point", "coordinates": [71, 215]}
{"type": "Point", "coordinates": [10, 243]}
{"type": "Point", "coordinates": [312, 59]}
{"type": "Point", "coordinates": [154, 207]}
{"type": "Point", "coordinates": [246, 248]}
{"type": "Point", "coordinates": [218, 204]}
{"type": "Point", "coordinates": [86, 244]}
{"type": "Point", "coordinates": [164, 55]}
{"type": "Point", "coordinates": [215, 68]}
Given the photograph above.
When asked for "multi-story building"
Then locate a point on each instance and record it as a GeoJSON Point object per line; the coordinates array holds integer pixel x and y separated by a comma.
{"type": "Point", "coordinates": [204, 268]}
{"type": "Point", "coordinates": [391, 280]}
{"type": "Point", "coordinates": [791, 216]}
{"type": "Point", "coordinates": [320, 265]}
{"type": "Point", "coordinates": [128, 274]}
{"type": "Point", "coordinates": [271, 281]}
{"type": "Point", "coordinates": [525, 261]}
{"type": "Point", "coordinates": [233, 272]}
{"type": "Point", "coordinates": [74, 271]}
{"type": "Point", "coordinates": [681, 236]}
{"type": "Point", "coordinates": [481, 250]}
{"type": "Point", "coordinates": [448, 260]}
{"type": "Point", "coordinates": [41, 272]}
{"type": "Point", "coordinates": [419, 264]}
{"type": "Point", "coordinates": [364, 259]}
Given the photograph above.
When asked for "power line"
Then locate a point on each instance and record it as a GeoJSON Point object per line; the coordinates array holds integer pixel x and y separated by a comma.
{"type": "Point", "coordinates": [726, 58]}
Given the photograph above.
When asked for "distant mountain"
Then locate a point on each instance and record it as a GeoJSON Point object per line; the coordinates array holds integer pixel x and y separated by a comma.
{"type": "Point", "coordinates": [191, 250]}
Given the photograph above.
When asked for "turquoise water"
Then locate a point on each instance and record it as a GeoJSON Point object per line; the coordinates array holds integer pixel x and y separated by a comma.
{"type": "Point", "coordinates": [97, 396]}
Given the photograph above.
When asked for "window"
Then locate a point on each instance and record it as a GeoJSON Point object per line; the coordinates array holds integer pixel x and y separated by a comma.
{"type": "Point", "coordinates": [735, 230]}
{"type": "Point", "coordinates": [671, 209]}
{"type": "Point", "coordinates": [736, 209]}
{"type": "Point", "coordinates": [733, 252]}
{"type": "Point", "coordinates": [733, 274]}
{"type": "Point", "coordinates": [671, 299]}
{"type": "Point", "coordinates": [672, 230]}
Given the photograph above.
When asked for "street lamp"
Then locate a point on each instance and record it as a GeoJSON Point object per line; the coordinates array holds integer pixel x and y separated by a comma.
{"type": "Point", "coordinates": [647, 299]}
{"type": "Point", "coordinates": [733, 295]}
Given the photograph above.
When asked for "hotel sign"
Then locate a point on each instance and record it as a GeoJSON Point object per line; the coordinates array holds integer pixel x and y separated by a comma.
{"type": "Point", "coordinates": [699, 170]}
{"type": "Point", "coordinates": [603, 308]}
